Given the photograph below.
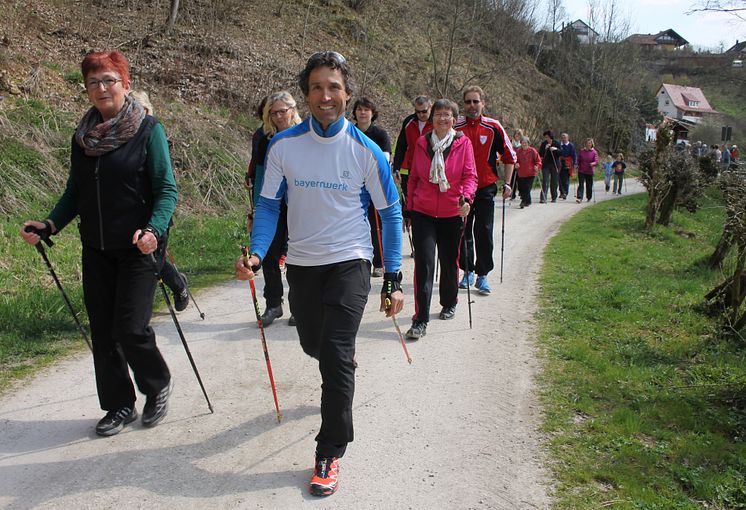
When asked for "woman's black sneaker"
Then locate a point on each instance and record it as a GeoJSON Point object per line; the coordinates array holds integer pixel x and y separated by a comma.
{"type": "Point", "coordinates": [156, 406]}
{"type": "Point", "coordinates": [181, 299]}
{"type": "Point", "coordinates": [418, 329]}
{"type": "Point", "coordinates": [270, 314]}
{"type": "Point", "coordinates": [115, 420]}
{"type": "Point", "coordinates": [447, 313]}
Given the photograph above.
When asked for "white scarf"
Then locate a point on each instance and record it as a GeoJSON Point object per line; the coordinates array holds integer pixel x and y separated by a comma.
{"type": "Point", "coordinates": [438, 164]}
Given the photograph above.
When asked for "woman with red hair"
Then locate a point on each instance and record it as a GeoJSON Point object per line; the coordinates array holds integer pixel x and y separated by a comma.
{"type": "Point", "coordinates": [122, 188]}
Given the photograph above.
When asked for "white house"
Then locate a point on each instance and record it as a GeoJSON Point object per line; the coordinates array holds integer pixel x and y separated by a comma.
{"type": "Point", "coordinates": [688, 104]}
{"type": "Point", "coordinates": [582, 31]}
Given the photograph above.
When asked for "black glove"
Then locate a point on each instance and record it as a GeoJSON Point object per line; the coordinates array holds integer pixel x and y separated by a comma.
{"type": "Point", "coordinates": [391, 283]}
{"type": "Point", "coordinates": [43, 233]}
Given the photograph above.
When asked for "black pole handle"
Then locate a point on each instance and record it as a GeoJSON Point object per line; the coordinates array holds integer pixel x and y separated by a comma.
{"type": "Point", "coordinates": [42, 233]}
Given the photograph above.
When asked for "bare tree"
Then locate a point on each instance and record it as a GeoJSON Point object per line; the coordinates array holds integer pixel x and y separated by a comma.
{"type": "Point", "coordinates": [173, 12]}
{"type": "Point", "coordinates": [735, 7]}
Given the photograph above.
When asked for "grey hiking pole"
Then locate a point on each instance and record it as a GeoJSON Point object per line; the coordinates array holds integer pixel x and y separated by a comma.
{"type": "Point", "coordinates": [44, 235]}
{"type": "Point", "coordinates": [466, 256]}
{"type": "Point", "coordinates": [502, 243]}
{"type": "Point", "coordinates": [178, 327]}
{"type": "Point", "coordinates": [186, 285]}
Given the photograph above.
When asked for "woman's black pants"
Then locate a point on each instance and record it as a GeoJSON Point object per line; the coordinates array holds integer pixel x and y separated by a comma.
{"type": "Point", "coordinates": [118, 288]}
{"type": "Point", "coordinates": [427, 233]}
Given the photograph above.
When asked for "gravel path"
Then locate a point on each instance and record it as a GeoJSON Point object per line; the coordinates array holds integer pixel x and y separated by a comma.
{"type": "Point", "coordinates": [457, 429]}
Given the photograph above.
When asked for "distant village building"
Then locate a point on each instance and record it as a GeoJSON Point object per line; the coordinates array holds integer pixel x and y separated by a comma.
{"type": "Point", "coordinates": [667, 40]}
{"type": "Point", "coordinates": [738, 50]}
{"type": "Point", "coordinates": [681, 103]}
{"type": "Point", "coordinates": [581, 30]}
{"type": "Point", "coordinates": [738, 53]}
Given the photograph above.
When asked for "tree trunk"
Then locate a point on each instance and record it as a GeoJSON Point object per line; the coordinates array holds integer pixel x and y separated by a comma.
{"type": "Point", "coordinates": [173, 12]}
{"type": "Point", "coordinates": [721, 250]}
{"type": "Point", "coordinates": [667, 207]}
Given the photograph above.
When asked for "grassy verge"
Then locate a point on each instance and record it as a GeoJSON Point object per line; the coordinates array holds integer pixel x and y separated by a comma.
{"type": "Point", "coordinates": [644, 400]}
{"type": "Point", "coordinates": [35, 325]}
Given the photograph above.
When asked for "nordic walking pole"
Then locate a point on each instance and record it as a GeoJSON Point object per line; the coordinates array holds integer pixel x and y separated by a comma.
{"type": "Point", "coordinates": [40, 248]}
{"type": "Point", "coordinates": [178, 327]}
{"type": "Point", "coordinates": [466, 257]}
{"type": "Point", "coordinates": [398, 331]}
{"type": "Point", "coordinates": [411, 244]}
{"type": "Point", "coordinates": [388, 301]}
{"type": "Point", "coordinates": [186, 285]}
{"type": "Point", "coordinates": [502, 243]}
{"type": "Point", "coordinates": [245, 251]}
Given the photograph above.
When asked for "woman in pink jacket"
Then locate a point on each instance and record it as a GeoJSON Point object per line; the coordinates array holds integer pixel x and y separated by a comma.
{"type": "Point", "coordinates": [442, 183]}
{"type": "Point", "coordinates": [587, 162]}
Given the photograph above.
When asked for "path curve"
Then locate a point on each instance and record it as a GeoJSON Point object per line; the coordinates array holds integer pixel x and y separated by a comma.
{"type": "Point", "coordinates": [458, 429]}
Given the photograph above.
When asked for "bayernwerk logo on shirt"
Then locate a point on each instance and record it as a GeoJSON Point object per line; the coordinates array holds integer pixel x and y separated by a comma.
{"type": "Point", "coordinates": [300, 183]}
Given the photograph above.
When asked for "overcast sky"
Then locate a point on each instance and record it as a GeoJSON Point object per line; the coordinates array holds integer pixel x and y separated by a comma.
{"type": "Point", "coordinates": [651, 16]}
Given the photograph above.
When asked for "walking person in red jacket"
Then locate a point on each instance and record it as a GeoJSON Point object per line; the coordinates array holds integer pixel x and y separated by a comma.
{"type": "Point", "coordinates": [413, 127]}
{"type": "Point", "coordinates": [442, 182]}
{"type": "Point", "coordinates": [527, 167]}
{"type": "Point", "coordinates": [587, 163]}
{"type": "Point", "coordinates": [491, 145]}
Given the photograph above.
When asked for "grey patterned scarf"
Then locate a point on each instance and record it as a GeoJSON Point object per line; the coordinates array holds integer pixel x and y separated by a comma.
{"type": "Point", "coordinates": [97, 138]}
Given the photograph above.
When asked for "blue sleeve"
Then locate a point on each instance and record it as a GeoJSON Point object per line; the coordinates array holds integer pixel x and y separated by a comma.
{"type": "Point", "coordinates": [266, 214]}
{"type": "Point", "coordinates": [391, 223]}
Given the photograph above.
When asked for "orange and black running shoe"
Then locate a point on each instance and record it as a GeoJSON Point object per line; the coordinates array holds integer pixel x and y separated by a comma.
{"type": "Point", "coordinates": [324, 479]}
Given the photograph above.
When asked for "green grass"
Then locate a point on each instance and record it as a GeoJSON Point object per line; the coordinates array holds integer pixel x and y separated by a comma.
{"type": "Point", "coordinates": [644, 401]}
{"type": "Point", "coordinates": [35, 325]}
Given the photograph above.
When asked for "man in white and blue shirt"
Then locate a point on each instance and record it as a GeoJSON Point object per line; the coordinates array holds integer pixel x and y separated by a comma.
{"type": "Point", "coordinates": [329, 172]}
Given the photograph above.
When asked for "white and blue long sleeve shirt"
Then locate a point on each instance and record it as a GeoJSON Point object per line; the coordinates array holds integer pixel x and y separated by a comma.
{"type": "Point", "coordinates": [329, 178]}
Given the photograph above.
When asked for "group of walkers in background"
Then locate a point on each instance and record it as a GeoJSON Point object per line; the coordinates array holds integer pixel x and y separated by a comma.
{"type": "Point", "coordinates": [722, 155]}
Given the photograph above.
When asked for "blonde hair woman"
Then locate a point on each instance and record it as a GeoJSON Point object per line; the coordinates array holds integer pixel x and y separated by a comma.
{"type": "Point", "coordinates": [280, 113]}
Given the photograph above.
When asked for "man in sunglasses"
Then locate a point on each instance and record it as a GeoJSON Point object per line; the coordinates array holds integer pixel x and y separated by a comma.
{"type": "Point", "coordinates": [491, 145]}
{"type": "Point", "coordinates": [414, 126]}
{"type": "Point", "coordinates": [329, 172]}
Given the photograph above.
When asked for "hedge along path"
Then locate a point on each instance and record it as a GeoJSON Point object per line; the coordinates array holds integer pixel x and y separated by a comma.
{"type": "Point", "coordinates": [456, 429]}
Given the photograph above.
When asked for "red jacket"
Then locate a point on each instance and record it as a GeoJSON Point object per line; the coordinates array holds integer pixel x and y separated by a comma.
{"type": "Point", "coordinates": [410, 132]}
{"type": "Point", "coordinates": [489, 140]}
{"type": "Point", "coordinates": [527, 160]}
{"type": "Point", "coordinates": [426, 197]}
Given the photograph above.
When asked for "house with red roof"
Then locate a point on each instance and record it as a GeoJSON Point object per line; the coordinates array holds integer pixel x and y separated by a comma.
{"type": "Point", "coordinates": [667, 40]}
{"type": "Point", "coordinates": [687, 104]}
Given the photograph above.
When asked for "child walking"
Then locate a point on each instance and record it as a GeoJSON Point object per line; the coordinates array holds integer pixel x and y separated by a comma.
{"type": "Point", "coordinates": [608, 171]}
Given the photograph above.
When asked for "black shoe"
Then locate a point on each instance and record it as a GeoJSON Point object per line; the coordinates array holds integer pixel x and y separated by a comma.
{"type": "Point", "coordinates": [542, 201]}
{"type": "Point", "coordinates": [156, 406]}
{"type": "Point", "coordinates": [447, 313]}
{"type": "Point", "coordinates": [554, 200]}
{"type": "Point", "coordinates": [291, 321]}
{"type": "Point", "coordinates": [563, 196]}
{"type": "Point", "coordinates": [522, 205]}
{"type": "Point", "coordinates": [418, 330]}
{"type": "Point", "coordinates": [270, 314]}
{"type": "Point", "coordinates": [115, 420]}
{"type": "Point", "coordinates": [181, 299]}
